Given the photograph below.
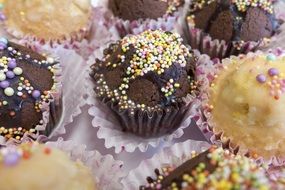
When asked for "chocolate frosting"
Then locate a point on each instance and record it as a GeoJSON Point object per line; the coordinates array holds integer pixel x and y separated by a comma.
{"type": "Point", "coordinates": [146, 89]}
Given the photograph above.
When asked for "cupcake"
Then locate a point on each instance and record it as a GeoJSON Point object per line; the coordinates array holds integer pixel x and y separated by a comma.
{"type": "Point", "coordinates": [32, 166]}
{"type": "Point", "coordinates": [222, 28]}
{"type": "Point", "coordinates": [243, 104]}
{"type": "Point", "coordinates": [30, 95]}
{"type": "Point", "coordinates": [144, 79]}
{"type": "Point", "coordinates": [135, 16]}
{"type": "Point", "coordinates": [213, 169]}
{"type": "Point", "coordinates": [48, 21]}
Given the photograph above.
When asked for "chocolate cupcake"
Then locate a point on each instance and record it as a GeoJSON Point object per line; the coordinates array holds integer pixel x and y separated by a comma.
{"type": "Point", "coordinates": [213, 169]}
{"type": "Point", "coordinates": [48, 21]}
{"type": "Point", "coordinates": [31, 166]}
{"type": "Point", "coordinates": [143, 80]}
{"type": "Point", "coordinates": [243, 105]}
{"type": "Point", "coordinates": [221, 28]}
{"type": "Point", "coordinates": [135, 16]}
{"type": "Point", "coordinates": [30, 97]}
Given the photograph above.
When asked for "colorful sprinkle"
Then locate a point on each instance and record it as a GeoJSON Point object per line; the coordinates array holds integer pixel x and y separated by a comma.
{"type": "Point", "coordinates": [4, 84]}
{"type": "Point", "coordinates": [11, 158]}
{"type": "Point", "coordinates": [9, 91]}
{"type": "Point", "coordinates": [261, 78]}
{"type": "Point", "coordinates": [271, 57]}
{"type": "Point", "coordinates": [273, 72]}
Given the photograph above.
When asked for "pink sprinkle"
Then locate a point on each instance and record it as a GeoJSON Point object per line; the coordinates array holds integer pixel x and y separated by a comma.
{"type": "Point", "coordinates": [272, 93]}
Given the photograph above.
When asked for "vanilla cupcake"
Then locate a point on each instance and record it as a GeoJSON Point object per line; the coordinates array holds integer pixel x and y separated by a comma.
{"type": "Point", "coordinates": [32, 167]}
{"type": "Point", "coordinates": [244, 104]}
{"type": "Point", "coordinates": [45, 21]}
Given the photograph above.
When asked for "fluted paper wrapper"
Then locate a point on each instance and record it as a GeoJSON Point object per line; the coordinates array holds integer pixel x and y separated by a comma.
{"type": "Point", "coordinates": [73, 74]}
{"type": "Point", "coordinates": [206, 70]}
{"type": "Point", "coordinates": [171, 156]}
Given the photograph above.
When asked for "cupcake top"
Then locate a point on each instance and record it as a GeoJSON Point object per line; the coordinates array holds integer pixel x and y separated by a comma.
{"type": "Point", "coordinates": [234, 20]}
{"type": "Point", "coordinates": [32, 166]}
{"type": "Point", "coordinates": [148, 71]}
{"type": "Point", "coordinates": [26, 83]}
{"type": "Point", "coordinates": [213, 169]}
{"type": "Point", "coordinates": [47, 19]}
{"type": "Point", "coordinates": [147, 9]}
{"type": "Point", "coordinates": [246, 103]}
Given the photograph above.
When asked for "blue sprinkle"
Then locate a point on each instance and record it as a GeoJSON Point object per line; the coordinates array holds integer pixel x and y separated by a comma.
{"type": "Point", "coordinates": [4, 40]}
{"type": "Point", "coordinates": [271, 57]}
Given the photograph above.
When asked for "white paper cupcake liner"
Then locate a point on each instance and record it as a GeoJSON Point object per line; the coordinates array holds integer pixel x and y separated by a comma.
{"type": "Point", "coordinates": [110, 130]}
{"type": "Point", "coordinates": [206, 70]}
{"type": "Point", "coordinates": [170, 156]}
{"type": "Point", "coordinates": [73, 90]}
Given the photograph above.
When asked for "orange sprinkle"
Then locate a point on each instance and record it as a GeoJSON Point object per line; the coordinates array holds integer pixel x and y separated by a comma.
{"type": "Point", "coordinates": [255, 156]}
{"type": "Point", "coordinates": [47, 150]}
{"type": "Point", "coordinates": [213, 162]}
{"type": "Point", "coordinates": [12, 113]}
{"type": "Point", "coordinates": [26, 155]}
